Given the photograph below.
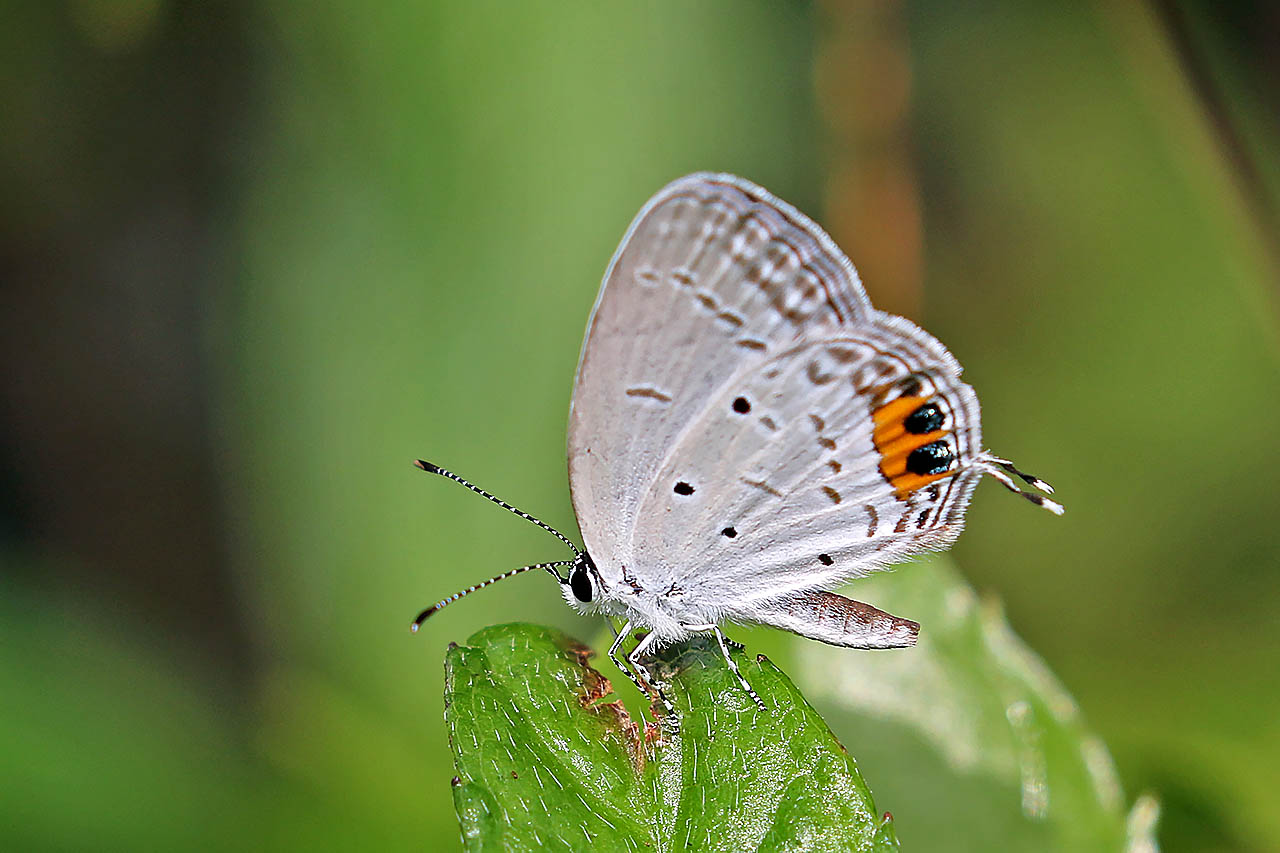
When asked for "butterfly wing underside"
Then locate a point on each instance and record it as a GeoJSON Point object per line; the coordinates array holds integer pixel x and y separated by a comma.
{"type": "Point", "coordinates": [723, 442]}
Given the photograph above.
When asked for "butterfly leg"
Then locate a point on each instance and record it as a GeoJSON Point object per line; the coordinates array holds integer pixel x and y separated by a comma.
{"type": "Point", "coordinates": [618, 637]}
{"type": "Point", "coordinates": [638, 672]}
{"type": "Point", "coordinates": [651, 687]}
{"type": "Point", "coordinates": [733, 644]}
{"type": "Point", "coordinates": [733, 665]}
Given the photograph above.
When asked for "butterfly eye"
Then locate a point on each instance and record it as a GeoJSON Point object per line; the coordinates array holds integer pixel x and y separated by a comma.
{"type": "Point", "coordinates": [580, 583]}
{"type": "Point", "coordinates": [741, 405]}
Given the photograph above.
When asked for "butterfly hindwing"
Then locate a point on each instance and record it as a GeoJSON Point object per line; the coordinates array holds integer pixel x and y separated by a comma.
{"type": "Point", "coordinates": [796, 470]}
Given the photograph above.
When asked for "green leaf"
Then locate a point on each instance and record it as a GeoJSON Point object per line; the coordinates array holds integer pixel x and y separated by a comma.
{"type": "Point", "coordinates": [545, 761]}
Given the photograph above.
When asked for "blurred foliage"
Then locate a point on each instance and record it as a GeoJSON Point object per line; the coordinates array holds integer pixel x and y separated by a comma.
{"type": "Point", "coordinates": [969, 736]}
{"type": "Point", "coordinates": [258, 258]}
{"type": "Point", "coordinates": [546, 762]}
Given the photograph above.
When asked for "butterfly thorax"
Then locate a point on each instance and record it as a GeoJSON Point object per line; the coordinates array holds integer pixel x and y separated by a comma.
{"type": "Point", "coordinates": [618, 591]}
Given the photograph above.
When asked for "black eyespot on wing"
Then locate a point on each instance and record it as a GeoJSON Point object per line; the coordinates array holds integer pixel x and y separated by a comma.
{"type": "Point", "coordinates": [825, 559]}
{"type": "Point", "coordinates": [933, 458]}
{"type": "Point", "coordinates": [683, 488]}
{"type": "Point", "coordinates": [927, 418]}
{"type": "Point", "coordinates": [729, 532]}
{"type": "Point", "coordinates": [580, 584]}
{"type": "Point", "coordinates": [741, 405]}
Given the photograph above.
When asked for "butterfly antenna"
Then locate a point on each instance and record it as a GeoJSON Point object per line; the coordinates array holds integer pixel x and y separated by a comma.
{"type": "Point", "coordinates": [1034, 481]}
{"type": "Point", "coordinates": [996, 467]}
{"type": "Point", "coordinates": [445, 602]}
{"type": "Point", "coordinates": [449, 475]}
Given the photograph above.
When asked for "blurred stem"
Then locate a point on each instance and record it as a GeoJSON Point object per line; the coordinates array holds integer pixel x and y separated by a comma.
{"type": "Point", "coordinates": [862, 77]}
{"type": "Point", "coordinates": [1236, 153]}
{"type": "Point", "coordinates": [1152, 37]}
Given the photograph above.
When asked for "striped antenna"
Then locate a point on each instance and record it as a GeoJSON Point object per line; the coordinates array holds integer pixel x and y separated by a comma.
{"type": "Point", "coordinates": [1029, 479]}
{"type": "Point", "coordinates": [996, 467]}
{"type": "Point", "coordinates": [449, 475]}
{"type": "Point", "coordinates": [445, 602]}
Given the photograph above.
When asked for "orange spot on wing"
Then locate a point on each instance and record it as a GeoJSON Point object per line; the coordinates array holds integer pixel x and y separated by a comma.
{"type": "Point", "coordinates": [908, 483]}
{"type": "Point", "coordinates": [895, 444]}
{"type": "Point", "coordinates": [888, 418]}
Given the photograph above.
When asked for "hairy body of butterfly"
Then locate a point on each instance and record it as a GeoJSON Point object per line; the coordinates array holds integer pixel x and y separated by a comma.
{"type": "Point", "coordinates": [747, 431]}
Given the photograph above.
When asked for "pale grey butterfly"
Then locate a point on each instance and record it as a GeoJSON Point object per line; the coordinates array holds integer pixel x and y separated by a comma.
{"type": "Point", "coordinates": [747, 432]}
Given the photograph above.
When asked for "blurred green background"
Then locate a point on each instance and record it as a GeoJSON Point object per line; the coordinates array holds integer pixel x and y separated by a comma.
{"type": "Point", "coordinates": [257, 257]}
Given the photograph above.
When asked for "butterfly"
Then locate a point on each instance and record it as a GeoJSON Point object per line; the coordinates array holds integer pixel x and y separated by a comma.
{"type": "Point", "coordinates": [748, 431]}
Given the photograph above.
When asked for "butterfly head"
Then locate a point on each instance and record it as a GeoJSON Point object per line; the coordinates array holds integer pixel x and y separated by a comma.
{"type": "Point", "coordinates": [582, 587]}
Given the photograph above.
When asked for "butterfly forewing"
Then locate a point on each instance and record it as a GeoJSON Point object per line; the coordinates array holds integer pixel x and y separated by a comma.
{"type": "Point", "coordinates": [714, 275]}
